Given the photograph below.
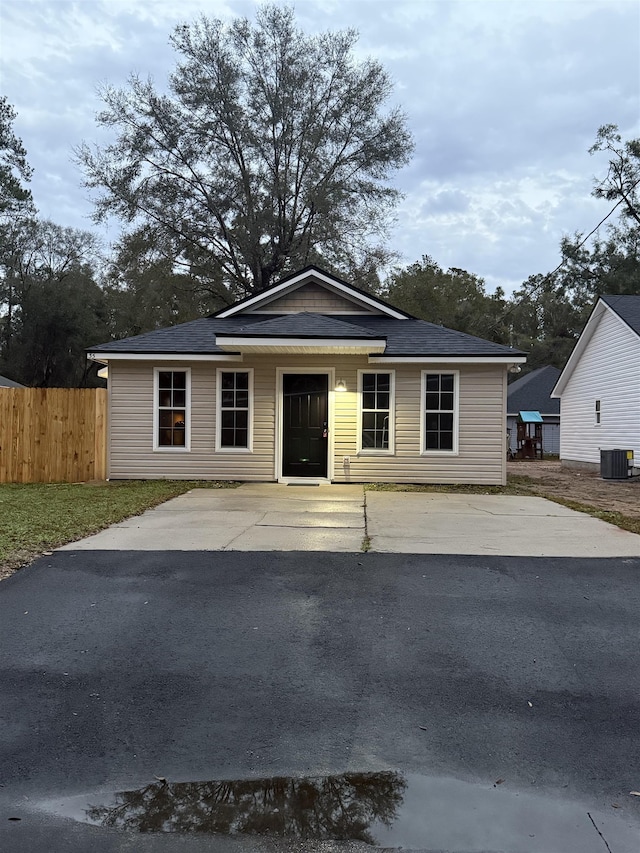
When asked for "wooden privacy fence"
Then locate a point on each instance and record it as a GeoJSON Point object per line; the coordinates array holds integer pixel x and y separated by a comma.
{"type": "Point", "coordinates": [53, 435]}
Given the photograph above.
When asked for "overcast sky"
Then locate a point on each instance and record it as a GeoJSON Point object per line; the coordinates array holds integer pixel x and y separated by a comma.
{"type": "Point", "coordinates": [504, 98]}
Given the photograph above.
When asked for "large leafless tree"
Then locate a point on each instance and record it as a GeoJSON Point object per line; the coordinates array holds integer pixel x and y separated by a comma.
{"type": "Point", "coordinates": [269, 149]}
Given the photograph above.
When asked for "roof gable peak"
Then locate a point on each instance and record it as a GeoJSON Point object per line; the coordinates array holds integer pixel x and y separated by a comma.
{"type": "Point", "coordinates": [362, 302]}
{"type": "Point", "coordinates": [626, 307]}
{"type": "Point", "coordinates": [626, 311]}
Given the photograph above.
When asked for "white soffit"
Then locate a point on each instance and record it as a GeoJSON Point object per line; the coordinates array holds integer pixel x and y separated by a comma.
{"type": "Point", "coordinates": [448, 359]}
{"type": "Point", "coordinates": [303, 346]}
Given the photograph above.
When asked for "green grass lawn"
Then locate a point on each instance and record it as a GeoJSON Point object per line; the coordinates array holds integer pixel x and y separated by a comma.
{"type": "Point", "coordinates": [37, 517]}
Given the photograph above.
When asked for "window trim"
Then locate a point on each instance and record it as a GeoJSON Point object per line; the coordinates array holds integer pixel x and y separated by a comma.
{"type": "Point", "coordinates": [377, 451]}
{"type": "Point", "coordinates": [162, 448]}
{"type": "Point", "coordinates": [456, 413]}
{"type": "Point", "coordinates": [219, 447]}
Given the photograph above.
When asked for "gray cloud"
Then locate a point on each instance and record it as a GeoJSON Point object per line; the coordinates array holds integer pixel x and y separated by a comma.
{"type": "Point", "coordinates": [504, 100]}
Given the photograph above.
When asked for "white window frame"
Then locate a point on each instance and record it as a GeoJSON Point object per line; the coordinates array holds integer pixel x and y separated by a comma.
{"type": "Point", "coordinates": [456, 413]}
{"type": "Point", "coordinates": [161, 448]}
{"type": "Point", "coordinates": [378, 451]}
{"type": "Point", "coordinates": [598, 413]}
{"type": "Point", "coordinates": [219, 447]}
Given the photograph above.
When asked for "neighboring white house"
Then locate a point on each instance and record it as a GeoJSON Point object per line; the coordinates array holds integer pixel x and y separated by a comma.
{"type": "Point", "coordinates": [531, 393]}
{"type": "Point", "coordinates": [599, 388]}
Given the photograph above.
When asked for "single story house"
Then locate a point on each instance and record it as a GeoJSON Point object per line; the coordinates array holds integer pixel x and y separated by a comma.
{"type": "Point", "coordinates": [312, 380]}
{"type": "Point", "coordinates": [599, 388]}
{"type": "Point", "coordinates": [532, 393]}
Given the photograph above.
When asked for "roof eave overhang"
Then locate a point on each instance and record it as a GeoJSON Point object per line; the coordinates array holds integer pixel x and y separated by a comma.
{"type": "Point", "coordinates": [106, 357]}
{"type": "Point", "coordinates": [303, 346]}
{"type": "Point", "coordinates": [374, 349]}
{"type": "Point", "coordinates": [448, 359]}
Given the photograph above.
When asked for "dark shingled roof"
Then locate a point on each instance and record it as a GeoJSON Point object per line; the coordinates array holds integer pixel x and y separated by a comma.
{"type": "Point", "coordinates": [418, 337]}
{"type": "Point", "coordinates": [5, 382]}
{"type": "Point", "coordinates": [196, 336]}
{"type": "Point", "coordinates": [531, 393]}
{"type": "Point", "coordinates": [404, 337]}
{"type": "Point", "coordinates": [627, 308]}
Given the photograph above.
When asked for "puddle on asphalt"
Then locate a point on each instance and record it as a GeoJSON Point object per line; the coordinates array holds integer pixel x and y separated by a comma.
{"type": "Point", "coordinates": [387, 809]}
{"type": "Point", "coordinates": [335, 808]}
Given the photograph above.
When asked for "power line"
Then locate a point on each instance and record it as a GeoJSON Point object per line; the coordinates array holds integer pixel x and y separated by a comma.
{"type": "Point", "coordinates": [549, 275]}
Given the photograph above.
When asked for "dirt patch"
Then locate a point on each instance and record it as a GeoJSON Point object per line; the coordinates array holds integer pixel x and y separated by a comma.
{"type": "Point", "coordinates": [17, 560]}
{"type": "Point", "coordinates": [549, 477]}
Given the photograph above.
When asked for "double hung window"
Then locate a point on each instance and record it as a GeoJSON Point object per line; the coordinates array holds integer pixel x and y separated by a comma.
{"type": "Point", "coordinates": [234, 415]}
{"type": "Point", "coordinates": [172, 393]}
{"type": "Point", "coordinates": [376, 393]}
{"type": "Point", "coordinates": [439, 412]}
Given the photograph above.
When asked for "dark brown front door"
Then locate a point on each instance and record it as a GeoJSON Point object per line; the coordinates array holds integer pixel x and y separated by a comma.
{"type": "Point", "coordinates": [305, 433]}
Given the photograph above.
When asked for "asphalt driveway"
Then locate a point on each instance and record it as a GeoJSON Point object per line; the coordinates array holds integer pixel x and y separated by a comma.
{"type": "Point", "coordinates": [493, 701]}
{"type": "Point", "coordinates": [345, 518]}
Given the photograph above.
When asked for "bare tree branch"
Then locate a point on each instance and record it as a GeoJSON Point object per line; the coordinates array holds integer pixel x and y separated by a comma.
{"type": "Point", "coordinates": [270, 147]}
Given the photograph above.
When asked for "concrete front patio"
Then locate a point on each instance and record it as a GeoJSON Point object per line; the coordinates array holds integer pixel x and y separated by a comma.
{"type": "Point", "coordinates": [346, 518]}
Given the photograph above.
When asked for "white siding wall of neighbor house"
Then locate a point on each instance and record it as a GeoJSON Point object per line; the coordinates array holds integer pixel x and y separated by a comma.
{"type": "Point", "coordinates": [609, 371]}
{"type": "Point", "coordinates": [481, 457]}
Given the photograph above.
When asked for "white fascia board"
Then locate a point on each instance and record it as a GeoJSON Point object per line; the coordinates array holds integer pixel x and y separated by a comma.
{"type": "Point", "coordinates": [447, 359]}
{"type": "Point", "coordinates": [581, 344]}
{"type": "Point", "coordinates": [106, 357]}
{"type": "Point", "coordinates": [293, 283]}
{"type": "Point", "coordinates": [239, 342]}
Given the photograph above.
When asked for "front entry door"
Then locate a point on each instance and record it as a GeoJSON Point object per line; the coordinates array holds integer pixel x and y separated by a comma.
{"type": "Point", "coordinates": [305, 425]}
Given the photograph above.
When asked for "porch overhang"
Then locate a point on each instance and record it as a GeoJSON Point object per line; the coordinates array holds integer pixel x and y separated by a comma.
{"type": "Point", "coordinates": [248, 345]}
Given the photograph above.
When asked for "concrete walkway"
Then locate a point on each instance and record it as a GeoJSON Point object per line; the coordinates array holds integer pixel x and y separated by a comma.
{"type": "Point", "coordinates": [273, 517]}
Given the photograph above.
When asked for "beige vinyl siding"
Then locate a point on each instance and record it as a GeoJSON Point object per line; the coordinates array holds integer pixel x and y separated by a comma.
{"type": "Point", "coordinates": [314, 298]}
{"type": "Point", "coordinates": [481, 457]}
{"type": "Point", "coordinates": [131, 453]}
